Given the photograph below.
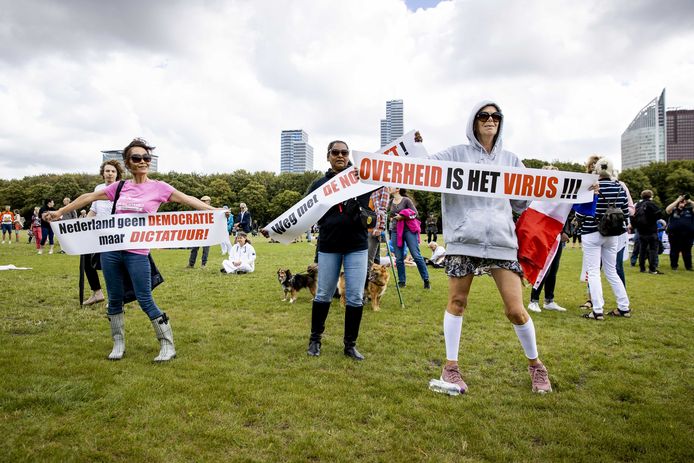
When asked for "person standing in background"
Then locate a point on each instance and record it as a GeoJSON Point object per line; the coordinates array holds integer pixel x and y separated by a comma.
{"type": "Point", "coordinates": [18, 224]}
{"type": "Point", "coordinates": [7, 218]}
{"type": "Point", "coordinates": [244, 219]}
{"type": "Point", "coordinates": [46, 230]}
{"type": "Point", "coordinates": [205, 249]}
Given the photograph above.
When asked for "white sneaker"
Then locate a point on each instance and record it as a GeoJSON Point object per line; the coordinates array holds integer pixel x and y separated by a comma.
{"type": "Point", "coordinates": [553, 306]}
{"type": "Point", "coordinates": [534, 307]}
{"type": "Point", "coordinates": [40, 252]}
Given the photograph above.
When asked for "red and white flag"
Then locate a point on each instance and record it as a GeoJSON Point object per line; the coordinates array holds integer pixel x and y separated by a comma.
{"type": "Point", "coordinates": [539, 235]}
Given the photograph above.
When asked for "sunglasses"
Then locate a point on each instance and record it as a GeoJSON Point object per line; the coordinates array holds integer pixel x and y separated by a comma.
{"type": "Point", "coordinates": [484, 116]}
{"type": "Point", "coordinates": [335, 152]}
{"type": "Point", "coordinates": [136, 158]}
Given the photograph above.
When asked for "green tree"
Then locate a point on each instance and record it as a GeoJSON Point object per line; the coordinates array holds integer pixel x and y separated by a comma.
{"type": "Point", "coordinates": [637, 181]}
{"type": "Point", "coordinates": [679, 181]}
{"type": "Point", "coordinates": [255, 196]}
{"type": "Point", "coordinates": [283, 201]}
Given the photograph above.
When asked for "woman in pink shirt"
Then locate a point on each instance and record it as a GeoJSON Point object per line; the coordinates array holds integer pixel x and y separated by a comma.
{"type": "Point", "coordinates": [139, 195]}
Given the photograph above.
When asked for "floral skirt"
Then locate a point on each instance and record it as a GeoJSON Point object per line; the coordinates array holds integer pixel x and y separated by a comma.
{"type": "Point", "coordinates": [460, 266]}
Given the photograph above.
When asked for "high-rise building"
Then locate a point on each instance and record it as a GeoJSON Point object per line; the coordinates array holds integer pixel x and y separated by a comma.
{"type": "Point", "coordinates": [644, 141]}
{"type": "Point", "coordinates": [392, 126]}
{"type": "Point", "coordinates": [296, 154]}
{"type": "Point", "coordinates": [680, 134]}
{"type": "Point", "coordinates": [118, 156]}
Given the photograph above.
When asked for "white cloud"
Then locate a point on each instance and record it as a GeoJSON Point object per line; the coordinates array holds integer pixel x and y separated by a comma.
{"type": "Point", "coordinates": [212, 86]}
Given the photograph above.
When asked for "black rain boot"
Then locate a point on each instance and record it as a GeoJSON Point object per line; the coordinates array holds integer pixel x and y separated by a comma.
{"type": "Point", "coordinates": [319, 313]}
{"type": "Point", "coordinates": [352, 322]}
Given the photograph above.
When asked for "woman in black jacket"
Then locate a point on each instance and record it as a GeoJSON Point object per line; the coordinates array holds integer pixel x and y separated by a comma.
{"type": "Point", "coordinates": [342, 243]}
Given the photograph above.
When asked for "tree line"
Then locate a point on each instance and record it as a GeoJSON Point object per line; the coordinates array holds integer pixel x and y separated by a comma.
{"type": "Point", "coordinates": [268, 194]}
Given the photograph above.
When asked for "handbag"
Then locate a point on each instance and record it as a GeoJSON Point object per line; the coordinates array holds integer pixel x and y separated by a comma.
{"type": "Point", "coordinates": [367, 217]}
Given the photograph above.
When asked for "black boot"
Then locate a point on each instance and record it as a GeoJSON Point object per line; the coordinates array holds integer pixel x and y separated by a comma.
{"type": "Point", "coordinates": [319, 313]}
{"type": "Point", "coordinates": [352, 322]}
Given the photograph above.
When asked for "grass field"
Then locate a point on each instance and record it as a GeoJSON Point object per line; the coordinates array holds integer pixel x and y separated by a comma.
{"type": "Point", "coordinates": [243, 389]}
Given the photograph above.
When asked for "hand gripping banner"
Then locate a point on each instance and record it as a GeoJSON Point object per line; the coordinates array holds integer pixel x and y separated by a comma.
{"type": "Point", "coordinates": [343, 186]}
{"type": "Point", "coordinates": [141, 231]}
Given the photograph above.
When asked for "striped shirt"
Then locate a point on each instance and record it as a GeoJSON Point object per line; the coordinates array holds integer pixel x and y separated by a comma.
{"type": "Point", "coordinates": [611, 192]}
{"type": "Point", "coordinates": [379, 201]}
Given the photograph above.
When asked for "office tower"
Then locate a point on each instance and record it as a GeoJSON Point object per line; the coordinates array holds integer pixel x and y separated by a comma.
{"type": "Point", "coordinates": [680, 134]}
{"type": "Point", "coordinates": [296, 155]}
{"type": "Point", "coordinates": [644, 141]}
{"type": "Point", "coordinates": [393, 125]}
{"type": "Point", "coordinates": [118, 156]}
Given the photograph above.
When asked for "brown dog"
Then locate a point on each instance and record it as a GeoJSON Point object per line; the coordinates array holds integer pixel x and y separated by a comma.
{"type": "Point", "coordinates": [376, 287]}
{"type": "Point", "coordinates": [292, 284]}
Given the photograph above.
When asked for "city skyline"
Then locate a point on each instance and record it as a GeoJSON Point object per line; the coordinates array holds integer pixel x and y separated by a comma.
{"type": "Point", "coordinates": [569, 76]}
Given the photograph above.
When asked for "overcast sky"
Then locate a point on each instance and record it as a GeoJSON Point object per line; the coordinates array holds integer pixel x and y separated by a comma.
{"type": "Point", "coordinates": [213, 83]}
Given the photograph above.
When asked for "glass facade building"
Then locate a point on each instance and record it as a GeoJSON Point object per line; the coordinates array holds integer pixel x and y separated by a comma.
{"type": "Point", "coordinates": [644, 140]}
{"type": "Point", "coordinates": [296, 155]}
{"type": "Point", "coordinates": [680, 134]}
{"type": "Point", "coordinates": [393, 125]}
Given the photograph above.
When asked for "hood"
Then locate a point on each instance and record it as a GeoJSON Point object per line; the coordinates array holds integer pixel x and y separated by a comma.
{"type": "Point", "coordinates": [470, 125]}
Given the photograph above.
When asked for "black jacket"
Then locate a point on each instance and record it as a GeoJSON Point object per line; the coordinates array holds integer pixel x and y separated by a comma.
{"type": "Point", "coordinates": [340, 230]}
{"type": "Point", "coordinates": [653, 213]}
{"type": "Point", "coordinates": [681, 222]}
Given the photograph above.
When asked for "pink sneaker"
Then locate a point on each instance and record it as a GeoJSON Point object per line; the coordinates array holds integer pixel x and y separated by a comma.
{"type": "Point", "coordinates": [539, 378]}
{"type": "Point", "coordinates": [451, 375]}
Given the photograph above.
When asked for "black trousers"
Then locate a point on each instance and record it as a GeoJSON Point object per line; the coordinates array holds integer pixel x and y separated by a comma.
{"type": "Point", "coordinates": [681, 243]}
{"type": "Point", "coordinates": [549, 281]}
{"type": "Point", "coordinates": [649, 249]}
{"type": "Point", "coordinates": [90, 273]}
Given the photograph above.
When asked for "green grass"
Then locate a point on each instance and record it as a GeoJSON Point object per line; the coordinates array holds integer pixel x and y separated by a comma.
{"type": "Point", "coordinates": [243, 389]}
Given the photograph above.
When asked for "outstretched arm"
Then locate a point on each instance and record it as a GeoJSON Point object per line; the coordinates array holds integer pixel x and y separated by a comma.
{"type": "Point", "coordinates": [191, 201]}
{"type": "Point", "coordinates": [79, 203]}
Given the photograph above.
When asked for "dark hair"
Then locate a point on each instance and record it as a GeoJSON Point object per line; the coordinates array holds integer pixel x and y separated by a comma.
{"type": "Point", "coordinates": [330, 145]}
{"type": "Point", "coordinates": [45, 202]}
{"type": "Point", "coordinates": [403, 192]}
{"type": "Point", "coordinates": [244, 235]}
{"type": "Point", "coordinates": [646, 194]}
{"type": "Point", "coordinates": [114, 163]}
{"type": "Point", "coordinates": [137, 142]}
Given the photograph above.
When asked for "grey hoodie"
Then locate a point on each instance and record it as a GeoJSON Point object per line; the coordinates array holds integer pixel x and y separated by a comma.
{"type": "Point", "coordinates": [477, 226]}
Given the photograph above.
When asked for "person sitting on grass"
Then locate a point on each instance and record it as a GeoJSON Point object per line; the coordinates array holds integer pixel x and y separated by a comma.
{"type": "Point", "coordinates": [241, 257]}
{"type": "Point", "coordinates": [438, 255]}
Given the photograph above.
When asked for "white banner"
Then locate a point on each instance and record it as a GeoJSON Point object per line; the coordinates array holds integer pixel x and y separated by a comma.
{"type": "Point", "coordinates": [475, 179]}
{"type": "Point", "coordinates": [141, 231]}
{"type": "Point", "coordinates": [301, 216]}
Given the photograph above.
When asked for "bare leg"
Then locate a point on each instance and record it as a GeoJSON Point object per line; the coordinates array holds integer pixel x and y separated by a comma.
{"type": "Point", "coordinates": [458, 290]}
{"type": "Point", "coordinates": [511, 290]}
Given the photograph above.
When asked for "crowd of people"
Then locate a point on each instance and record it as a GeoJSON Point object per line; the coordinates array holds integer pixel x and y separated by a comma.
{"type": "Point", "coordinates": [478, 234]}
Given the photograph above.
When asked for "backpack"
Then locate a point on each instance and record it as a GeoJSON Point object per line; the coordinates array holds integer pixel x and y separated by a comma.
{"type": "Point", "coordinates": [612, 221]}
{"type": "Point", "coordinates": [640, 220]}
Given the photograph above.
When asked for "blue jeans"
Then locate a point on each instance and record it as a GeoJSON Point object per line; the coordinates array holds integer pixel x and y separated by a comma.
{"type": "Point", "coordinates": [46, 233]}
{"type": "Point", "coordinates": [329, 264]}
{"type": "Point", "coordinates": [410, 239]}
{"type": "Point", "coordinates": [116, 265]}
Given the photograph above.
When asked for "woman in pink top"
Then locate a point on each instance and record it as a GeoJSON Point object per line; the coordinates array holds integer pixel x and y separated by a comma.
{"type": "Point", "coordinates": [139, 195]}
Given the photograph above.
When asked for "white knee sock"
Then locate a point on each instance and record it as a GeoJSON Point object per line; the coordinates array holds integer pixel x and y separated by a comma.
{"type": "Point", "coordinates": [526, 336]}
{"type": "Point", "coordinates": [452, 326]}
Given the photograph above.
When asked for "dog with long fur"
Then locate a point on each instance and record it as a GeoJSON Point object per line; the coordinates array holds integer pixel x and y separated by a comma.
{"type": "Point", "coordinates": [375, 288]}
{"type": "Point", "coordinates": [293, 283]}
